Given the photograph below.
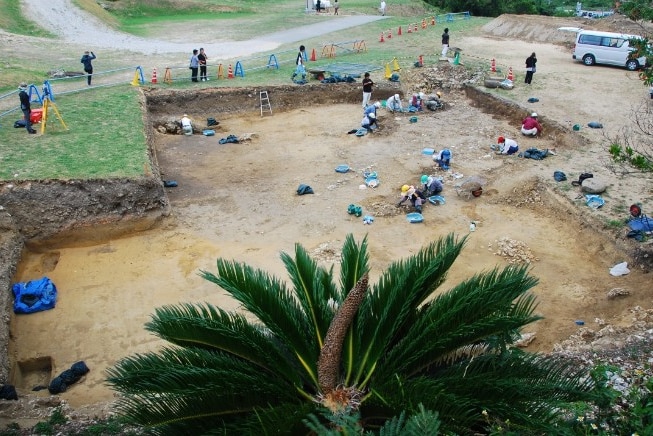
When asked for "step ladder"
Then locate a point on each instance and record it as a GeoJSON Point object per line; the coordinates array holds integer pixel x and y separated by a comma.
{"type": "Point", "coordinates": [265, 102]}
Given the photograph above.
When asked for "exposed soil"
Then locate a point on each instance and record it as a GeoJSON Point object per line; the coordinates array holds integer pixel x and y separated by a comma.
{"type": "Point", "coordinates": [238, 201]}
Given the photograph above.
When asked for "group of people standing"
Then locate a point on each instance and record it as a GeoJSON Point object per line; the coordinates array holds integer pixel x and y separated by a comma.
{"type": "Point", "coordinates": [198, 63]}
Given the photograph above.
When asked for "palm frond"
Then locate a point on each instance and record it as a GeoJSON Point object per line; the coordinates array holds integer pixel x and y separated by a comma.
{"type": "Point", "coordinates": [313, 288]}
{"type": "Point", "coordinates": [205, 326]}
{"type": "Point", "coordinates": [486, 307]}
{"type": "Point", "coordinates": [393, 304]}
{"type": "Point", "coordinates": [184, 385]}
{"type": "Point", "coordinates": [274, 305]}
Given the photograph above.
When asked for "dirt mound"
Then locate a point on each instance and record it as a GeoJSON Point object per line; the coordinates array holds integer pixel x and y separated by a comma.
{"type": "Point", "coordinates": [545, 29]}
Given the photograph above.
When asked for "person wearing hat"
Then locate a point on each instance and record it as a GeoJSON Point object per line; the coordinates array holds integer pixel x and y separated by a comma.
{"type": "Point", "coordinates": [88, 66]}
{"type": "Point", "coordinates": [431, 185]}
{"type": "Point", "coordinates": [433, 101]}
{"type": "Point", "coordinates": [506, 146]}
{"type": "Point", "coordinates": [369, 121]}
{"type": "Point", "coordinates": [531, 126]}
{"type": "Point", "coordinates": [415, 196]}
{"type": "Point", "coordinates": [443, 158]}
{"type": "Point", "coordinates": [186, 125]}
{"type": "Point", "coordinates": [393, 104]}
{"type": "Point", "coordinates": [25, 106]}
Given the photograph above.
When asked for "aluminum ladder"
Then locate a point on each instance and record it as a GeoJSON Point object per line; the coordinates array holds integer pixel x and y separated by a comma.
{"type": "Point", "coordinates": [265, 102]}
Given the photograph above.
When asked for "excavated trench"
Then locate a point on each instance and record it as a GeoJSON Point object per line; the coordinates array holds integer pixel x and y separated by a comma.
{"type": "Point", "coordinates": [87, 213]}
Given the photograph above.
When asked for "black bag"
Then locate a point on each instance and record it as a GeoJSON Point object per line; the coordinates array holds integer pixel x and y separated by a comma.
{"type": "Point", "coordinates": [211, 122]}
{"type": "Point", "coordinates": [20, 123]}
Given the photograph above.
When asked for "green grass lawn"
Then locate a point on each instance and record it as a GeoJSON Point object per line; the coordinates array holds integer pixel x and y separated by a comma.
{"type": "Point", "coordinates": [106, 133]}
{"type": "Point", "coordinates": [105, 139]}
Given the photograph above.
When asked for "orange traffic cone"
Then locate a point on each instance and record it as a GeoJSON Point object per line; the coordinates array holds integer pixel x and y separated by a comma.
{"type": "Point", "coordinates": [399, 31]}
{"type": "Point", "coordinates": [381, 40]}
{"type": "Point", "coordinates": [415, 29]}
{"type": "Point", "coordinates": [409, 29]}
{"type": "Point", "coordinates": [433, 20]}
{"type": "Point", "coordinates": [493, 66]}
{"type": "Point", "coordinates": [230, 72]}
{"type": "Point", "coordinates": [423, 23]}
{"type": "Point", "coordinates": [510, 76]}
{"type": "Point", "coordinates": [389, 34]}
{"type": "Point", "coordinates": [313, 56]}
{"type": "Point", "coordinates": [154, 79]}
{"type": "Point", "coordinates": [421, 60]}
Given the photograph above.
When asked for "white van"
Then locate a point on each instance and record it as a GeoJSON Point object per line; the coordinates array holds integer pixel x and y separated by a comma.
{"type": "Point", "coordinates": [594, 47]}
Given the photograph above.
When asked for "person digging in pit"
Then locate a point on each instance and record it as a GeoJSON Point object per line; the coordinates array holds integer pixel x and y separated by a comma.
{"type": "Point", "coordinates": [415, 196]}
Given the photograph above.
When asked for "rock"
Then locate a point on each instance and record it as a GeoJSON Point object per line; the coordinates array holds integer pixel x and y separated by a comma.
{"type": "Point", "coordinates": [525, 340]}
{"type": "Point", "coordinates": [617, 292]}
{"type": "Point", "coordinates": [593, 186]}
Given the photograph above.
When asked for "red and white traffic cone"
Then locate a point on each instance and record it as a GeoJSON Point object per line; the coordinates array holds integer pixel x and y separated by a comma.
{"type": "Point", "coordinates": [154, 79]}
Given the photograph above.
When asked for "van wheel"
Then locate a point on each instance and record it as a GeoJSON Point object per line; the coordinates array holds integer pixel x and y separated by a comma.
{"type": "Point", "coordinates": [632, 65]}
{"type": "Point", "coordinates": [589, 60]}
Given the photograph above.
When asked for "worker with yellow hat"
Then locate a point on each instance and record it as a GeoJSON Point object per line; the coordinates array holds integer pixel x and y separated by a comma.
{"type": "Point", "coordinates": [415, 196]}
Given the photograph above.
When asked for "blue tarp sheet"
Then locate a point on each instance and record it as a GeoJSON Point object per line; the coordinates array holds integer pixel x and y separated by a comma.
{"type": "Point", "coordinates": [34, 296]}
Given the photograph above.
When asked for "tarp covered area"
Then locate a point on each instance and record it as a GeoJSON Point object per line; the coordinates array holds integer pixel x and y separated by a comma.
{"type": "Point", "coordinates": [34, 296]}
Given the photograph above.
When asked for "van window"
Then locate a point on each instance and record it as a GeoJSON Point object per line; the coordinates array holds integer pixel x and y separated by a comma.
{"type": "Point", "coordinates": [589, 39]}
{"type": "Point", "coordinates": [605, 41]}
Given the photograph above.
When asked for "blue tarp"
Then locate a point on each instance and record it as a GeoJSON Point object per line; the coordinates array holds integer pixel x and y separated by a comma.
{"type": "Point", "coordinates": [34, 296]}
{"type": "Point", "coordinates": [644, 224]}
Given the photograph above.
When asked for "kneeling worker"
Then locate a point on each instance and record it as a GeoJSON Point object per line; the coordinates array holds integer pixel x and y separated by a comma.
{"type": "Point", "coordinates": [186, 125]}
{"type": "Point", "coordinates": [394, 104]}
{"type": "Point", "coordinates": [415, 196]}
{"type": "Point", "coordinates": [431, 185]}
{"type": "Point", "coordinates": [506, 146]}
{"type": "Point", "coordinates": [531, 126]}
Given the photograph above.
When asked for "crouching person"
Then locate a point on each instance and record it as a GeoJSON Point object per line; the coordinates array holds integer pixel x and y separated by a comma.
{"type": "Point", "coordinates": [443, 158]}
{"type": "Point", "coordinates": [186, 125]}
{"type": "Point", "coordinates": [506, 146]}
{"type": "Point", "coordinates": [431, 185]}
{"type": "Point", "coordinates": [369, 122]}
{"type": "Point", "coordinates": [393, 104]}
{"type": "Point", "coordinates": [415, 196]}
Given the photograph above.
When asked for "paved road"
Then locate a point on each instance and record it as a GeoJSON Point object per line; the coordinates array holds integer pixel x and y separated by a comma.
{"type": "Point", "coordinates": [74, 25]}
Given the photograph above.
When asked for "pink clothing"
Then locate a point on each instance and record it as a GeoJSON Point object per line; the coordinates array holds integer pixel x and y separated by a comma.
{"type": "Point", "coordinates": [531, 123]}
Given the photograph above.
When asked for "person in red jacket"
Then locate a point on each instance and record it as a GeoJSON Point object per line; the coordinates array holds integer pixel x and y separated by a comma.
{"type": "Point", "coordinates": [531, 126]}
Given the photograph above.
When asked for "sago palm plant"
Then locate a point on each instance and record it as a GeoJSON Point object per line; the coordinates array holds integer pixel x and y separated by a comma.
{"type": "Point", "coordinates": [310, 344]}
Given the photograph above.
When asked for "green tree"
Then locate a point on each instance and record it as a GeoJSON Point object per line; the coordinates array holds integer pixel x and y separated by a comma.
{"type": "Point", "coordinates": [298, 348]}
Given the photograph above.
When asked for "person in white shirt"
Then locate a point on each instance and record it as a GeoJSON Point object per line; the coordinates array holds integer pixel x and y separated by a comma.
{"type": "Point", "coordinates": [506, 146]}
{"type": "Point", "coordinates": [186, 125]}
{"type": "Point", "coordinates": [393, 104]}
{"type": "Point", "coordinates": [382, 8]}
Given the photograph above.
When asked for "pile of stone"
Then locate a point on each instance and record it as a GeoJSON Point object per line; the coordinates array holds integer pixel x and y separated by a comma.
{"type": "Point", "coordinates": [514, 251]}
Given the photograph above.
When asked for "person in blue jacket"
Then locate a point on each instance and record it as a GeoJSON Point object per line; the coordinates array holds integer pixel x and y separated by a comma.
{"type": "Point", "coordinates": [88, 66]}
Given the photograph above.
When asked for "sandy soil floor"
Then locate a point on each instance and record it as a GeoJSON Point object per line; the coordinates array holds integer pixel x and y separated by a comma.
{"type": "Point", "coordinates": [238, 201]}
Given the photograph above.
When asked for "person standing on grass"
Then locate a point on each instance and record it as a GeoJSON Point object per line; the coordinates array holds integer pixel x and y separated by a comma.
{"type": "Point", "coordinates": [335, 7]}
{"type": "Point", "coordinates": [202, 58]}
{"type": "Point", "coordinates": [194, 66]}
{"type": "Point", "coordinates": [445, 42]}
{"type": "Point", "coordinates": [382, 8]}
{"type": "Point", "coordinates": [88, 66]}
{"type": "Point", "coordinates": [530, 68]}
{"type": "Point", "coordinates": [25, 106]}
{"type": "Point", "coordinates": [367, 89]}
